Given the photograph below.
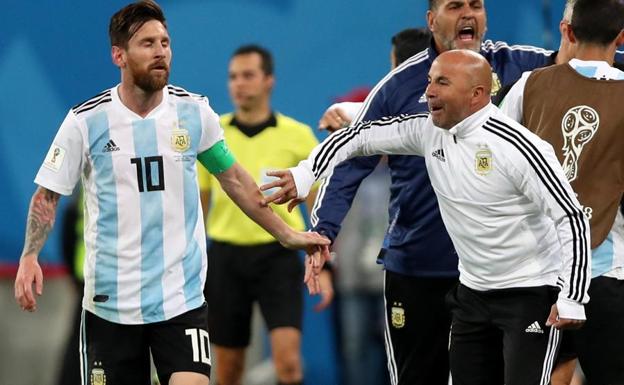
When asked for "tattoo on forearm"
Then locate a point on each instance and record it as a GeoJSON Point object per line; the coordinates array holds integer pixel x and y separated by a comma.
{"type": "Point", "coordinates": [40, 219]}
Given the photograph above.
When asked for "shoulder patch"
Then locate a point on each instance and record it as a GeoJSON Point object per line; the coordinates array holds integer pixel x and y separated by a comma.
{"type": "Point", "coordinates": [54, 159]}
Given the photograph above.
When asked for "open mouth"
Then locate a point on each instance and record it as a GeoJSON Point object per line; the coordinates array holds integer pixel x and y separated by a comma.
{"type": "Point", "coordinates": [466, 33]}
{"type": "Point", "coordinates": [159, 67]}
{"type": "Point", "coordinates": [435, 108]}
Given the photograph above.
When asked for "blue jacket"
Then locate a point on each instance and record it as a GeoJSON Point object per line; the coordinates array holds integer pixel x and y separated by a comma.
{"type": "Point", "coordinates": [416, 242]}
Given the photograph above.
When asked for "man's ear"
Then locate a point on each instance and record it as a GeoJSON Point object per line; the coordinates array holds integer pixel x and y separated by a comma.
{"type": "Point", "coordinates": [570, 34]}
{"type": "Point", "coordinates": [478, 91]}
{"type": "Point", "coordinates": [271, 81]}
{"type": "Point", "coordinates": [564, 26]}
{"type": "Point", "coordinates": [118, 56]}
{"type": "Point", "coordinates": [430, 17]}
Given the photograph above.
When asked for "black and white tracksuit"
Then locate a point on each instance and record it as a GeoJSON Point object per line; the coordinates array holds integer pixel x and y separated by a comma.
{"type": "Point", "coordinates": [508, 207]}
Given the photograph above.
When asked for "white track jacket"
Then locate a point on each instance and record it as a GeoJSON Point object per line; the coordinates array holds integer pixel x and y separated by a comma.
{"type": "Point", "coordinates": [507, 205]}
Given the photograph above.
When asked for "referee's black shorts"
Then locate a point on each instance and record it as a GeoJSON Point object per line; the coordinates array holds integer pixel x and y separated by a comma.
{"type": "Point", "coordinates": [500, 336]}
{"type": "Point", "coordinates": [238, 276]}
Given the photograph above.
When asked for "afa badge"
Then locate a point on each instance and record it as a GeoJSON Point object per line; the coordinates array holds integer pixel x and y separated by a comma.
{"type": "Point", "coordinates": [398, 316]}
{"type": "Point", "coordinates": [483, 161]}
{"type": "Point", "coordinates": [98, 377]}
{"type": "Point", "coordinates": [180, 140]}
{"type": "Point", "coordinates": [496, 84]}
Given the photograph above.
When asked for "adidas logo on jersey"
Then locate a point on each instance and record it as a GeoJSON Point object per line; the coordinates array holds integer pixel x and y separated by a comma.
{"type": "Point", "coordinates": [110, 147]}
{"type": "Point", "coordinates": [423, 98]}
{"type": "Point", "coordinates": [439, 155]}
{"type": "Point", "coordinates": [534, 328]}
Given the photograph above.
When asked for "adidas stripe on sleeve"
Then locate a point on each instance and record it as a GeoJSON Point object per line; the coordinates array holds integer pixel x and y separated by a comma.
{"type": "Point", "coordinates": [540, 177]}
{"type": "Point", "coordinates": [397, 135]}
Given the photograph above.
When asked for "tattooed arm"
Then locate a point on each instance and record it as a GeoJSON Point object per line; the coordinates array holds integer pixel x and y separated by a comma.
{"type": "Point", "coordinates": [41, 216]}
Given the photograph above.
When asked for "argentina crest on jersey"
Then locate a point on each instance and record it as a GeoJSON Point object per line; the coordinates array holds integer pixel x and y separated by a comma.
{"type": "Point", "coordinates": [483, 160]}
{"type": "Point", "coordinates": [180, 139]}
{"type": "Point", "coordinates": [496, 83]}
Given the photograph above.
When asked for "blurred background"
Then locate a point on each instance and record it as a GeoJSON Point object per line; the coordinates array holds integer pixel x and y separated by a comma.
{"type": "Point", "coordinates": [54, 54]}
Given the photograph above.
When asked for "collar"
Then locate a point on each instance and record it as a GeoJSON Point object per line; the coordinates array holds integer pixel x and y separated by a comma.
{"type": "Point", "coordinates": [254, 130]}
{"type": "Point", "coordinates": [471, 123]}
{"type": "Point", "coordinates": [575, 63]}
{"type": "Point", "coordinates": [596, 69]}
{"type": "Point", "coordinates": [117, 100]}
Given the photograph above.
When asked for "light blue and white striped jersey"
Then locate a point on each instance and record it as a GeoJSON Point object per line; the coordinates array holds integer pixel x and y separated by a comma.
{"type": "Point", "coordinates": [608, 257]}
{"type": "Point", "coordinates": [144, 236]}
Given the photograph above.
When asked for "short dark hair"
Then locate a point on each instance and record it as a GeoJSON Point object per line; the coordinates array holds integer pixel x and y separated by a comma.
{"type": "Point", "coordinates": [597, 21]}
{"type": "Point", "coordinates": [265, 56]}
{"type": "Point", "coordinates": [128, 20]}
{"type": "Point", "coordinates": [409, 42]}
{"type": "Point", "coordinates": [433, 4]}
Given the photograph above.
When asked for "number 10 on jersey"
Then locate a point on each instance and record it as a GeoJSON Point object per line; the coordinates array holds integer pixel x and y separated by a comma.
{"type": "Point", "coordinates": [145, 173]}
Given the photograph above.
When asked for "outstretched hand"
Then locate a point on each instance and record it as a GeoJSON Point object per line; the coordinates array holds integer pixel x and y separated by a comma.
{"type": "Point", "coordinates": [287, 188]}
{"type": "Point", "coordinates": [308, 241]}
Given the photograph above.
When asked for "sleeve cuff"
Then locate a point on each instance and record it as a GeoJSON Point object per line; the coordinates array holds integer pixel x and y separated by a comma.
{"type": "Point", "coordinates": [570, 309]}
{"type": "Point", "coordinates": [304, 179]}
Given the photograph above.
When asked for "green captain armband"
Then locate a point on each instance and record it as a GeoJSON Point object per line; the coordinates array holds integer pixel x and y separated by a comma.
{"type": "Point", "coordinates": [217, 158]}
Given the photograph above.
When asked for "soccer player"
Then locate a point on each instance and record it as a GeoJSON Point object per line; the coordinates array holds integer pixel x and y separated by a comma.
{"type": "Point", "coordinates": [575, 107]}
{"type": "Point", "coordinates": [135, 146]}
{"type": "Point", "coordinates": [247, 264]}
{"type": "Point", "coordinates": [418, 256]}
{"type": "Point", "coordinates": [514, 220]}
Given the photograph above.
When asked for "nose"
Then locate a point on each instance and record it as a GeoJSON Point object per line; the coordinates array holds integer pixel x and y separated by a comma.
{"type": "Point", "coordinates": [430, 91]}
{"type": "Point", "coordinates": [467, 11]}
{"type": "Point", "coordinates": [160, 50]}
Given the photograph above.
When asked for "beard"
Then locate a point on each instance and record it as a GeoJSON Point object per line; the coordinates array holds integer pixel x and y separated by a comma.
{"type": "Point", "coordinates": [149, 81]}
{"type": "Point", "coordinates": [451, 43]}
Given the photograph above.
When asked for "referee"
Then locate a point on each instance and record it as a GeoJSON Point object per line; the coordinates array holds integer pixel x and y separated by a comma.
{"type": "Point", "coordinates": [513, 218]}
{"type": "Point", "coordinates": [247, 264]}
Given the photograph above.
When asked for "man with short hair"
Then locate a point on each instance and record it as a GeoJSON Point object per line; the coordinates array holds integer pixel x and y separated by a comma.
{"type": "Point", "coordinates": [418, 256]}
{"type": "Point", "coordinates": [247, 264]}
{"type": "Point", "coordinates": [135, 146]}
{"type": "Point", "coordinates": [576, 108]}
{"type": "Point", "coordinates": [514, 220]}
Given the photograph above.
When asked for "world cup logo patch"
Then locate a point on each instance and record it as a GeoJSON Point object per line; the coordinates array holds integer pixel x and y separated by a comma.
{"type": "Point", "coordinates": [578, 126]}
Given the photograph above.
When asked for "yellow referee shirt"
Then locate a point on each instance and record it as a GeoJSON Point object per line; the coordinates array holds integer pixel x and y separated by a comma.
{"type": "Point", "coordinates": [279, 146]}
